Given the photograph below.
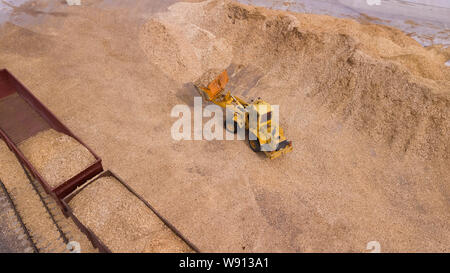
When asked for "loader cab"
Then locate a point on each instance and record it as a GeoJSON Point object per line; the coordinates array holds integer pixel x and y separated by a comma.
{"type": "Point", "coordinates": [265, 118]}
{"type": "Point", "coordinates": [263, 113]}
{"type": "Point", "coordinates": [262, 128]}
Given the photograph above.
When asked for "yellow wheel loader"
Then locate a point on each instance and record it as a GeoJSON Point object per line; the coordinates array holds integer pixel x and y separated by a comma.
{"type": "Point", "coordinates": [255, 117]}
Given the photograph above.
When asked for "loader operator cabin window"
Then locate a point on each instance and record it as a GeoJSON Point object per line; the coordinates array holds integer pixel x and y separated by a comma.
{"type": "Point", "coordinates": [265, 118]}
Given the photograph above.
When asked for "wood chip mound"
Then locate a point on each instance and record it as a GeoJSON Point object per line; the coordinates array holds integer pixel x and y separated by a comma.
{"type": "Point", "coordinates": [56, 156]}
{"type": "Point", "coordinates": [122, 221]}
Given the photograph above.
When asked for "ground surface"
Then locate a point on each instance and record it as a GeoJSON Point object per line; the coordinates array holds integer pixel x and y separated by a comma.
{"type": "Point", "coordinates": [12, 235]}
{"type": "Point", "coordinates": [355, 176]}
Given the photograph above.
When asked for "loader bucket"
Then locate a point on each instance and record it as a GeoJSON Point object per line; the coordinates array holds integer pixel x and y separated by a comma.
{"type": "Point", "coordinates": [215, 87]}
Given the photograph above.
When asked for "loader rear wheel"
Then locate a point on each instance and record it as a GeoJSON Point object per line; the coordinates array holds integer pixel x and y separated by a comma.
{"type": "Point", "coordinates": [231, 127]}
{"type": "Point", "coordinates": [254, 145]}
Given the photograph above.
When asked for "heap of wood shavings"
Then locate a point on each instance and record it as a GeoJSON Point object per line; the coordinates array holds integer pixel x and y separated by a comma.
{"type": "Point", "coordinates": [122, 221]}
{"type": "Point", "coordinates": [56, 156]}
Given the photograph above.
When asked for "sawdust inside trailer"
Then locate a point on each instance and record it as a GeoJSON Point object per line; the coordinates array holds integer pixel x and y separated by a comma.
{"type": "Point", "coordinates": [122, 221]}
{"type": "Point", "coordinates": [56, 156]}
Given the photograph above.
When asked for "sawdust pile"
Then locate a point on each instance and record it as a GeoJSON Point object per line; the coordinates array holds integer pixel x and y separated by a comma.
{"type": "Point", "coordinates": [340, 86]}
{"type": "Point", "coordinates": [374, 77]}
{"type": "Point", "coordinates": [367, 109]}
{"type": "Point", "coordinates": [56, 156]}
{"type": "Point", "coordinates": [122, 221]}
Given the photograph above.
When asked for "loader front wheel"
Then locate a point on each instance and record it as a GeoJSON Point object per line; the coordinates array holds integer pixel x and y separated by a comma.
{"type": "Point", "coordinates": [254, 145]}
